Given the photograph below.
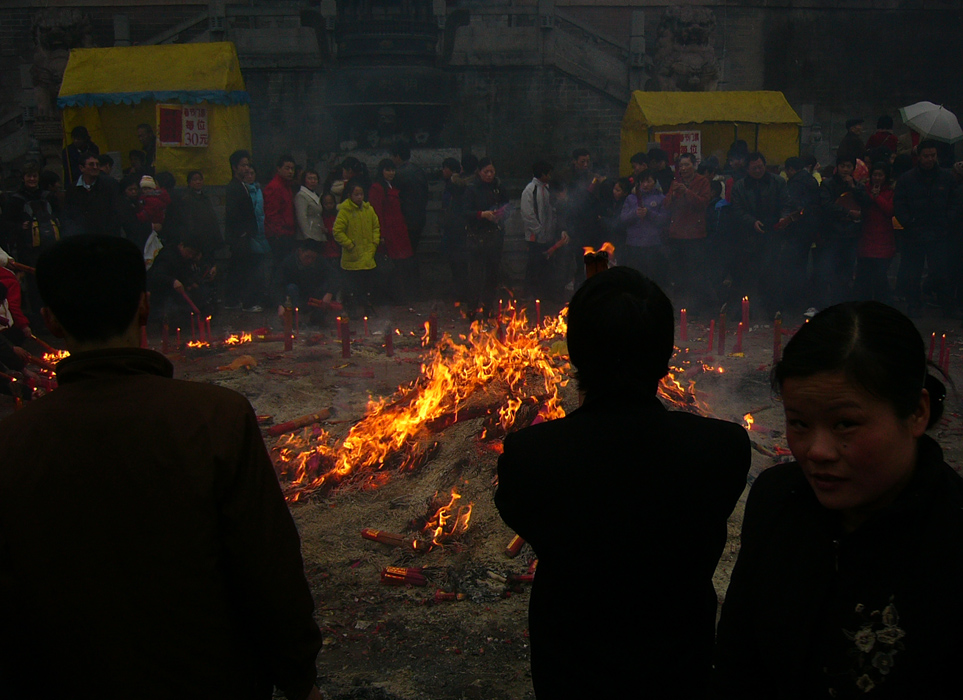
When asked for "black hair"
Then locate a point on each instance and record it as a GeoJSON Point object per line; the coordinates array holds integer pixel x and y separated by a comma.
{"type": "Point", "coordinates": [690, 156]}
{"type": "Point", "coordinates": [795, 162]}
{"type": "Point", "coordinates": [880, 153]}
{"type": "Point", "coordinates": [140, 155]}
{"type": "Point", "coordinates": [129, 180]}
{"type": "Point", "coordinates": [452, 164]}
{"type": "Point", "coordinates": [541, 168]}
{"type": "Point", "coordinates": [884, 122]}
{"type": "Point", "coordinates": [620, 333]}
{"type": "Point", "coordinates": [80, 131]}
{"type": "Point", "coordinates": [166, 180]}
{"type": "Point", "coordinates": [105, 159]}
{"type": "Point", "coordinates": [875, 346]}
{"type": "Point", "coordinates": [646, 175]}
{"type": "Point", "coordinates": [31, 167]}
{"type": "Point", "coordinates": [309, 171]}
{"type": "Point", "coordinates": [657, 154]}
{"type": "Point", "coordinates": [235, 158]}
{"type": "Point", "coordinates": [192, 173]}
{"type": "Point", "coordinates": [640, 158]}
{"type": "Point", "coordinates": [845, 159]}
{"type": "Point", "coordinates": [927, 143]}
{"type": "Point", "coordinates": [754, 156]}
{"type": "Point", "coordinates": [580, 152]}
{"type": "Point", "coordinates": [881, 165]}
{"type": "Point", "coordinates": [353, 164]}
{"type": "Point", "coordinates": [401, 149]}
{"type": "Point", "coordinates": [625, 183]}
{"type": "Point", "coordinates": [469, 163]}
{"type": "Point", "coordinates": [111, 273]}
{"type": "Point", "coordinates": [48, 178]}
{"type": "Point", "coordinates": [738, 149]}
{"type": "Point", "coordinates": [384, 164]}
{"type": "Point", "coordinates": [903, 162]}
{"type": "Point", "coordinates": [716, 187]}
{"type": "Point", "coordinates": [810, 161]}
{"type": "Point", "coordinates": [484, 163]}
{"type": "Point", "coordinates": [286, 158]}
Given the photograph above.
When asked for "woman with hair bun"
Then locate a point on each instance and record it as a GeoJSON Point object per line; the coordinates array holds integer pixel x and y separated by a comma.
{"type": "Point", "coordinates": [848, 581]}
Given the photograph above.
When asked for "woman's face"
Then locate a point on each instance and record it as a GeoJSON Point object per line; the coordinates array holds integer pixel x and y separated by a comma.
{"type": "Point", "coordinates": [389, 174]}
{"type": "Point", "coordinates": [856, 453]}
{"type": "Point", "coordinates": [311, 181]}
{"type": "Point", "coordinates": [878, 178]}
{"type": "Point", "coordinates": [328, 201]}
{"type": "Point", "coordinates": [132, 191]}
{"type": "Point", "coordinates": [197, 182]}
{"type": "Point", "coordinates": [646, 184]}
{"type": "Point", "coordinates": [487, 174]}
{"type": "Point", "coordinates": [618, 192]}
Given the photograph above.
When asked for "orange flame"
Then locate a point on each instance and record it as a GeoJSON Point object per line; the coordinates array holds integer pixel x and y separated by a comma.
{"type": "Point", "coordinates": [55, 357]}
{"type": "Point", "coordinates": [448, 521]}
{"type": "Point", "coordinates": [198, 344]}
{"type": "Point", "coordinates": [749, 421]}
{"type": "Point", "coordinates": [239, 339]}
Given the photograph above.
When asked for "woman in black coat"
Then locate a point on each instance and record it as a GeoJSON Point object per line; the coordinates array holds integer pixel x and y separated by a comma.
{"type": "Point", "coordinates": [848, 581]}
{"type": "Point", "coordinates": [485, 211]}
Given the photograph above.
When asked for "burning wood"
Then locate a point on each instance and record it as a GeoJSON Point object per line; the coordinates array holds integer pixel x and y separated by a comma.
{"type": "Point", "coordinates": [597, 260]}
{"type": "Point", "coordinates": [447, 521]}
{"type": "Point", "coordinates": [238, 339]}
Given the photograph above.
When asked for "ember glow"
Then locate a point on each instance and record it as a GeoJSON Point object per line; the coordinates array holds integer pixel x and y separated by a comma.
{"type": "Point", "coordinates": [239, 339]}
{"type": "Point", "coordinates": [749, 421]}
{"type": "Point", "coordinates": [55, 357]}
{"type": "Point", "coordinates": [481, 377]}
{"type": "Point", "coordinates": [198, 344]}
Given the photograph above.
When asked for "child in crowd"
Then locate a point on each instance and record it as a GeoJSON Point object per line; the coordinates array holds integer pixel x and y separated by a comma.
{"type": "Point", "coordinates": [358, 232]}
{"type": "Point", "coordinates": [646, 218]}
{"type": "Point", "coordinates": [154, 202]}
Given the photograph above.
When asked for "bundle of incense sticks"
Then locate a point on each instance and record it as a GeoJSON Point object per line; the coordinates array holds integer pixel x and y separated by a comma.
{"type": "Point", "coordinates": [403, 576]}
{"type": "Point", "coordinates": [383, 537]}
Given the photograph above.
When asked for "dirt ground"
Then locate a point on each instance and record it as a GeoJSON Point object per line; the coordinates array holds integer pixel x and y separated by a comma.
{"type": "Point", "coordinates": [399, 642]}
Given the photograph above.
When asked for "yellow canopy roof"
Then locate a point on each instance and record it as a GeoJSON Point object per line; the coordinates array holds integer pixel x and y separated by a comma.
{"type": "Point", "coordinates": [193, 73]}
{"type": "Point", "coordinates": [667, 108]}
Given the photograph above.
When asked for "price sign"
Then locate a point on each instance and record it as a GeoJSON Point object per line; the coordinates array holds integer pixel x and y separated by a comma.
{"type": "Point", "coordinates": [677, 142]}
{"type": "Point", "coordinates": [182, 126]}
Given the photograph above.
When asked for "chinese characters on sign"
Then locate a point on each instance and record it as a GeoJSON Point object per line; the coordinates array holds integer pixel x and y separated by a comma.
{"type": "Point", "coordinates": [676, 142]}
{"type": "Point", "coordinates": [182, 126]}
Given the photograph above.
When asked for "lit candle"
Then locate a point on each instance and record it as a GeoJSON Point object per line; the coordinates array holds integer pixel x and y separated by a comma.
{"type": "Point", "coordinates": [538, 313]}
{"type": "Point", "coordinates": [929, 355]}
{"type": "Point", "coordinates": [209, 330]}
{"type": "Point", "coordinates": [712, 332]}
{"type": "Point", "coordinates": [345, 337]}
{"type": "Point", "coordinates": [684, 327]}
{"type": "Point", "coordinates": [297, 323]}
{"type": "Point", "coordinates": [193, 337]}
{"type": "Point", "coordinates": [178, 338]}
{"type": "Point", "coordinates": [722, 334]}
{"type": "Point", "coordinates": [366, 326]}
{"type": "Point", "coordinates": [942, 348]}
{"type": "Point", "coordinates": [739, 328]}
{"type": "Point", "coordinates": [745, 311]}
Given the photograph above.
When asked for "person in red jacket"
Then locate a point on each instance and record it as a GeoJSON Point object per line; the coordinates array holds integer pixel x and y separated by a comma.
{"type": "Point", "coordinates": [395, 243]}
{"type": "Point", "coordinates": [14, 326]}
{"type": "Point", "coordinates": [877, 244]}
{"type": "Point", "coordinates": [279, 226]}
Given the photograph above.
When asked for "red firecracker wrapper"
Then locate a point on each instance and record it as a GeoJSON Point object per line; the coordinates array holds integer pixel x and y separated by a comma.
{"type": "Point", "coordinates": [401, 576]}
{"type": "Point", "coordinates": [515, 546]}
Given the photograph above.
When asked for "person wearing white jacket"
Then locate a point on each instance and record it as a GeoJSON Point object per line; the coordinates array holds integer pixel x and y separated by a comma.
{"type": "Point", "coordinates": [307, 209]}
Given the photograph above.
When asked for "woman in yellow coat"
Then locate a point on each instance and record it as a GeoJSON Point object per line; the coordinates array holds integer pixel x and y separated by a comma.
{"type": "Point", "coordinates": [358, 232]}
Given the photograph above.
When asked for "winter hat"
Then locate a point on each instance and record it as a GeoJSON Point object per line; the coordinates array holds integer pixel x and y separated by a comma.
{"type": "Point", "coordinates": [148, 181]}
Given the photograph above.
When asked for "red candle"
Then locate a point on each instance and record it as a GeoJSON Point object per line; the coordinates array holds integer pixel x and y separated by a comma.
{"type": "Point", "coordinates": [193, 337]}
{"type": "Point", "coordinates": [942, 348]}
{"type": "Point", "coordinates": [712, 332]}
{"type": "Point", "coordinates": [929, 355]}
{"type": "Point", "coordinates": [297, 323]}
{"type": "Point", "coordinates": [745, 311]}
{"type": "Point", "coordinates": [366, 326]}
{"type": "Point", "coordinates": [739, 328]}
{"type": "Point", "coordinates": [209, 329]}
{"type": "Point", "coordinates": [684, 327]}
{"type": "Point", "coordinates": [538, 313]}
{"type": "Point", "coordinates": [722, 334]}
{"type": "Point", "coordinates": [178, 338]}
{"type": "Point", "coordinates": [345, 337]}
{"type": "Point", "coordinates": [389, 343]}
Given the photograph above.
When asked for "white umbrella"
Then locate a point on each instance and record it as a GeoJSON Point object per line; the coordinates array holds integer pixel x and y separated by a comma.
{"type": "Point", "coordinates": [932, 121]}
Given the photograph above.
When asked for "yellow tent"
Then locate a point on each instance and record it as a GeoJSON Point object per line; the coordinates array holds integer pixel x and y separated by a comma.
{"type": "Point", "coordinates": [763, 119]}
{"type": "Point", "coordinates": [111, 91]}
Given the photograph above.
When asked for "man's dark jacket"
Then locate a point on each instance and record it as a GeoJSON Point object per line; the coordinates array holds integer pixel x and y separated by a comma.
{"type": "Point", "coordinates": [412, 184]}
{"type": "Point", "coordinates": [146, 550]}
{"type": "Point", "coordinates": [755, 200]}
{"type": "Point", "coordinates": [645, 494]}
{"type": "Point", "coordinates": [926, 203]}
{"type": "Point", "coordinates": [240, 221]}
{"type": "Point", "coordinates": [851, 147]}
{"type": "Point", "coordinates": [802, 589]}
{"type": "Point", "coordinates": [93, 210]}
{"type": "Point", "coordinates": [802, 192]}
{"type": "Point", "coordinates": [836, 224]}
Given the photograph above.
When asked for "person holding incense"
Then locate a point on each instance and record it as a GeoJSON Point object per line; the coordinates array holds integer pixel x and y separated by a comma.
{"type": "Point", "coordinates": [642, 624]}
{"type": "Point", "coordinates": [143, 526]}
{"type": "Point", "coordinates": [847, 583]}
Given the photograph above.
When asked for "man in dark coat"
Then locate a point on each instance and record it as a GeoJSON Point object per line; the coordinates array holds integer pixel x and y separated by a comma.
{"type": "Point", "coordinates": [148, 537]}
{"type": "Point", "coordinates": [759, 202]}
{"type": "Point", "coordinates": [240, 226]}
{"type": "Point", "coordinates": [799, 233]}
{"type": "Point", "coordinates": [412, 184]}
{"type": "Point", "coordinates": [926, 203]}
{"type": "Point", "coordinates": [92, 202]}
{"type": "Point", "coordinates": [852, 146]}
{"type": "Point", "coordinates": [76, 153]}
{"type": "Point", "coordinates": [643, 624]}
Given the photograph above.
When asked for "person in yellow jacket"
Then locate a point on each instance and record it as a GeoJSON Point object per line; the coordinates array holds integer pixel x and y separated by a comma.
{"type": "Point", "coordinates": [358, 232]}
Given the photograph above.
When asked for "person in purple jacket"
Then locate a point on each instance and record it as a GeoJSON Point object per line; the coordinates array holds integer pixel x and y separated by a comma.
{"type": "Point", "coordinates": [645, 218]}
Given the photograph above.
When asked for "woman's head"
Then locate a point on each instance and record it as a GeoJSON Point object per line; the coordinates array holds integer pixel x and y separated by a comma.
{"type": "Point", "coordinates": [646, 181]}
{"type": "Point", "coordinates": [195, 180]}
{"type": "Point", "coordinates": [357, 194]}
{"type": "Point", "coordinates": [328, 201]}
{"type": "Point", "coordinates": [879, 173]}
{"type": "Point", "coordinates": [130, 186]}
{"type": "Point", "coordinates": [857, 398]}
{"type": "Point", "coordinates": [620, 333]}
{"type": "Point", "coordinates": [621, 188]}
{"type": "Point", "coordinates": [486, 170]}
{"type": "Point", "coordinates": [387, 170]}
{"type": "Point", "coordinates": [310, 179]}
